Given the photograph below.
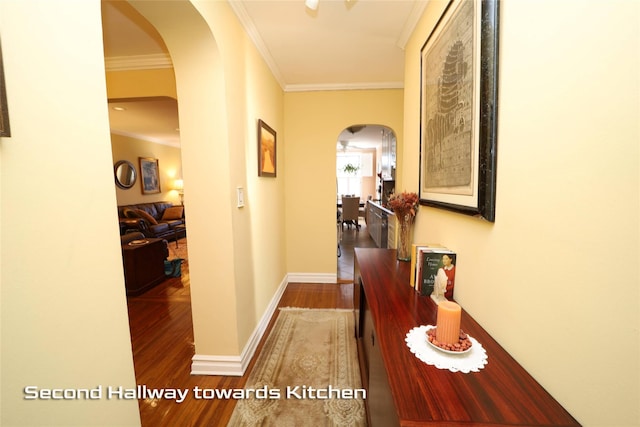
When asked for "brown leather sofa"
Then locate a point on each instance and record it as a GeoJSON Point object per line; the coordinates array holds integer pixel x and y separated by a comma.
{"type": "Point", "coordinates": [156, 219]}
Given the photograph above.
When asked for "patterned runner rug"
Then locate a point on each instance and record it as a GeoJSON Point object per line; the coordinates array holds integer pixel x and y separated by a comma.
{"type": "Point", "coordinates": [306, 374]}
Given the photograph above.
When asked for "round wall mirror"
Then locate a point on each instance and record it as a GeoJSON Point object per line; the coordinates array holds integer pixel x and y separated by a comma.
{"type": "Point", "coordinates": [125, 174]}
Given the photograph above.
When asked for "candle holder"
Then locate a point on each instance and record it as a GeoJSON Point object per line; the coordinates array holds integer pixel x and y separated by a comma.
{"type": "Point", "coordinates": [463, 345]}
{"type": "Point", "coordinates": [473, 359]}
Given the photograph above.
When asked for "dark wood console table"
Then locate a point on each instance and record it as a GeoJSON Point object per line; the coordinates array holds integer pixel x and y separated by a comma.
{"type": "Point", "coordinates": [403, 390]}
{"type": "Point", "coordinates": [143, 265]}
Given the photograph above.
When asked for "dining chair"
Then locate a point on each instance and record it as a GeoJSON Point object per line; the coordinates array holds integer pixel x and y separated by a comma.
{"type": "Point", "coordinates": [350, 211]}
{"type": "Point", "coordinates": [339, 227]}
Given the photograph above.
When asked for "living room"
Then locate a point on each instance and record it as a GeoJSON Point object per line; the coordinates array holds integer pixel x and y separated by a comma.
{"type": "Point", "coordinates": [568, 186]}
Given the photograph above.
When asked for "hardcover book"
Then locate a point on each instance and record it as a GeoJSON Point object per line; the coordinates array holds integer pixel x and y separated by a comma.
{"type": "Point", "coordinates": [415, 252]}
{"type": "Point", "coordinates": [416, 261]}
{"type": "Point", "coordinates": [436, 276]}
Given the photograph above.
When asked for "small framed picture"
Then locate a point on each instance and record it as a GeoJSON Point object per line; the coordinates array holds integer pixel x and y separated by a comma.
{"type": "Point", "coordinates": [266, 150]}
{"type": "Point", "coordinates": [150, 175]}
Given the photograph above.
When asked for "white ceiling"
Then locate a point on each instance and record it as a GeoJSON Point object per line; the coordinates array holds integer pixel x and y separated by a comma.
{"type": "Point", "coordinates": [344, 44]}
{"type": "Point", "coordinates": [149, 119]}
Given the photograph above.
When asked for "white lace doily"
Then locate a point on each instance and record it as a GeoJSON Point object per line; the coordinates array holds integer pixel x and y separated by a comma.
{"type": "Point", "coordinates": [472, 361]}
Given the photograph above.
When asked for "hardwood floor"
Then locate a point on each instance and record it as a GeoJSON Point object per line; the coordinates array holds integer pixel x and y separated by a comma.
{"type": "Point", "coordinates": [352, 238]}
{"type": "Point", "coordinates": [162, 342]}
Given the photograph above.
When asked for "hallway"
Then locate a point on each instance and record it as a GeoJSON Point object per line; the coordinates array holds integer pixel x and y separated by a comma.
{"type": "Point", "coordinates": [352, 238]}
{"type": "Point", "coordinates": [162, 342]}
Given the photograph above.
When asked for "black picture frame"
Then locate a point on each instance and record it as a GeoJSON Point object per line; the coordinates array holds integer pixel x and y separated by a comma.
{"type": "Point", "coordinates": [5, 129]}
{"type": "Point", "coordinates": [458, 110]}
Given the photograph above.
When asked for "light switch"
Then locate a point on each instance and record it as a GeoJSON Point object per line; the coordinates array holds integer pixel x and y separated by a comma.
{"type": "Point", "coordinates": [240, 192]}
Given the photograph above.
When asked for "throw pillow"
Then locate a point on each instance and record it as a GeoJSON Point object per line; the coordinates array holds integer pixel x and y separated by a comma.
{"type": "Point", "coordinates": [146, 216]}
{"type": "Point", "coordinates": [130, 213]}
{"type": "Point", "coordinates": [174, 212]}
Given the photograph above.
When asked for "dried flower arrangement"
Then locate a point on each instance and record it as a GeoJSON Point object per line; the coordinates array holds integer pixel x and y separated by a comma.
{"type": "Point", "coordinates": [403, 204]}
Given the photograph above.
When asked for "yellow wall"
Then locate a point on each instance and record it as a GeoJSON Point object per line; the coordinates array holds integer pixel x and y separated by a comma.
{"type": "Point", "coordinates": [123, 84]}
{"type": "Point", "coordinates": [64, 315]}
{"type": "Point", "coordinates": [555, 279]}
{"type": "Point", "coordinates": [53, 335]}
{"type": "Point", "coordinates": [236, 255]}
{"type": "Point", "coordinates": [313, 121]}
{"type": "Point", "coordinates": [169, 162]}
{"type": "Point", "coordinates": [141, 83]}
{"type": "Point", "coordinates": [568, 186]}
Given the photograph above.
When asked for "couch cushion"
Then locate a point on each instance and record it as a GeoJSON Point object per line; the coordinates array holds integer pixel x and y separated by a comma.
{"type": "Point", "coordinates": [155, 209]}
{"type": "Point", "coordinates": [149, 208]}
{"type": "Point", "coordinates": [147, 216]}
{"type": "Point", "coordinates": [130, 213]}
{"type": "Point", "coordinates": [161, 228]}
{"type": "Point", "coordinates": [173, 223]}
{"type": "Point", "coordinates": [172, 213]}
{"type": "Point", "coordinates": [160, 207]}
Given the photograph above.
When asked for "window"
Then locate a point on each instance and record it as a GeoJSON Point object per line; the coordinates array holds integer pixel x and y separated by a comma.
{"type": "Point", "coordinates": [350, 168]}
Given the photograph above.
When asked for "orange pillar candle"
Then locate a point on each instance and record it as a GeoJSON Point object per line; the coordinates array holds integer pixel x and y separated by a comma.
{"type": "Point", "coordinates": [448, 322]}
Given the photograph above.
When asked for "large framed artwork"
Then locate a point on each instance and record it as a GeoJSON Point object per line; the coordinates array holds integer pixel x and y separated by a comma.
{"type": "Point", "coordinates": [266, 150]}
{"type": "Point", "coordinates": [149, 175]}
{"type": "Point", "coordinates": [458, 103]}
{"type": "Point", "coordinates": [5, 130]}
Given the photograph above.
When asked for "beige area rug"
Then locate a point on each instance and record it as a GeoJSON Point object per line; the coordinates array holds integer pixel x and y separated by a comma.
{"type": "Point", "coordinates": [307, 374]}
{"type": "Point", "coordinates": [180, 251]}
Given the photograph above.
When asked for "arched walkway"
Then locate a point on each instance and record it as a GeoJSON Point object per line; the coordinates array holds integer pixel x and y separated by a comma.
{"type": "Point", "coordinates": [202, 108]}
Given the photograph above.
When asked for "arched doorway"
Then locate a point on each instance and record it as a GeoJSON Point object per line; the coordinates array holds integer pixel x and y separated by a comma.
{"type": "Point", "coordinates": [204, 133]}
{"type": "Point", "coordinates": [144, 123]}
{"type": "Point", "coordinates": [365, 169]}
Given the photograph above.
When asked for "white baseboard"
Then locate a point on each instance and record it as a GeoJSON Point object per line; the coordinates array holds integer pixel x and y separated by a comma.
{"type": "Point", "coordinates": [312, 278]}
{"type": "Point", "coordinates": [202, 364]}
{"type": "Point", "coordinates": [217, 365]}
{"type": "Point", "coordinates": [237, 365]}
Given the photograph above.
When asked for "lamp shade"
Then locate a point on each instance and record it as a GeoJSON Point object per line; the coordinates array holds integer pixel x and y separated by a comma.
{"type": "Point", "coordinates": [178, 184]}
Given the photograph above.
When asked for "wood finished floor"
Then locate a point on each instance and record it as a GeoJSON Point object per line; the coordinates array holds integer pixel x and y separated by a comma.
{"type": "Point", "coordinates": [162, 341]}
{"type": "Point", "coordinates": [352, 238]}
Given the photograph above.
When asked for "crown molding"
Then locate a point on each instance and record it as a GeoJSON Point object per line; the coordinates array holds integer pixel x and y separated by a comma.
{"type": "Point", "coordinates": [342, 86]}
{"type": "Point", "coordinates": [138, 62]}
{"type": "Point", "coordinates": [410, 25]}
{"type": "Point", "coordinates": [254, 35]}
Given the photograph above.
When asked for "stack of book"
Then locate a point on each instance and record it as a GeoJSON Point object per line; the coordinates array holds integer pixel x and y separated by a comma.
{"type": "Point", "coordinates": [433, 270]}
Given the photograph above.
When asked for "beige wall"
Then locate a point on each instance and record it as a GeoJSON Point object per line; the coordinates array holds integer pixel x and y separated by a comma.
{"type": "Point", "coordinates": [64, 315]}
{"type": "Point", "coordinates": [555, 279]}
{"type": "Point", "coordinates": [313, 121]}
{"type": "Point", "coordinates": [170, 168]}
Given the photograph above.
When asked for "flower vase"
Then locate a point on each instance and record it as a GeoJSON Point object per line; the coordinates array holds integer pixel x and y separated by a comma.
{"type": "Point", "coordinates": [404, 237]}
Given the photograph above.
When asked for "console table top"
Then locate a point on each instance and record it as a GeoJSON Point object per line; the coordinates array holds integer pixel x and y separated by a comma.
{"type": "Point", "coordinates": [502, 393]}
